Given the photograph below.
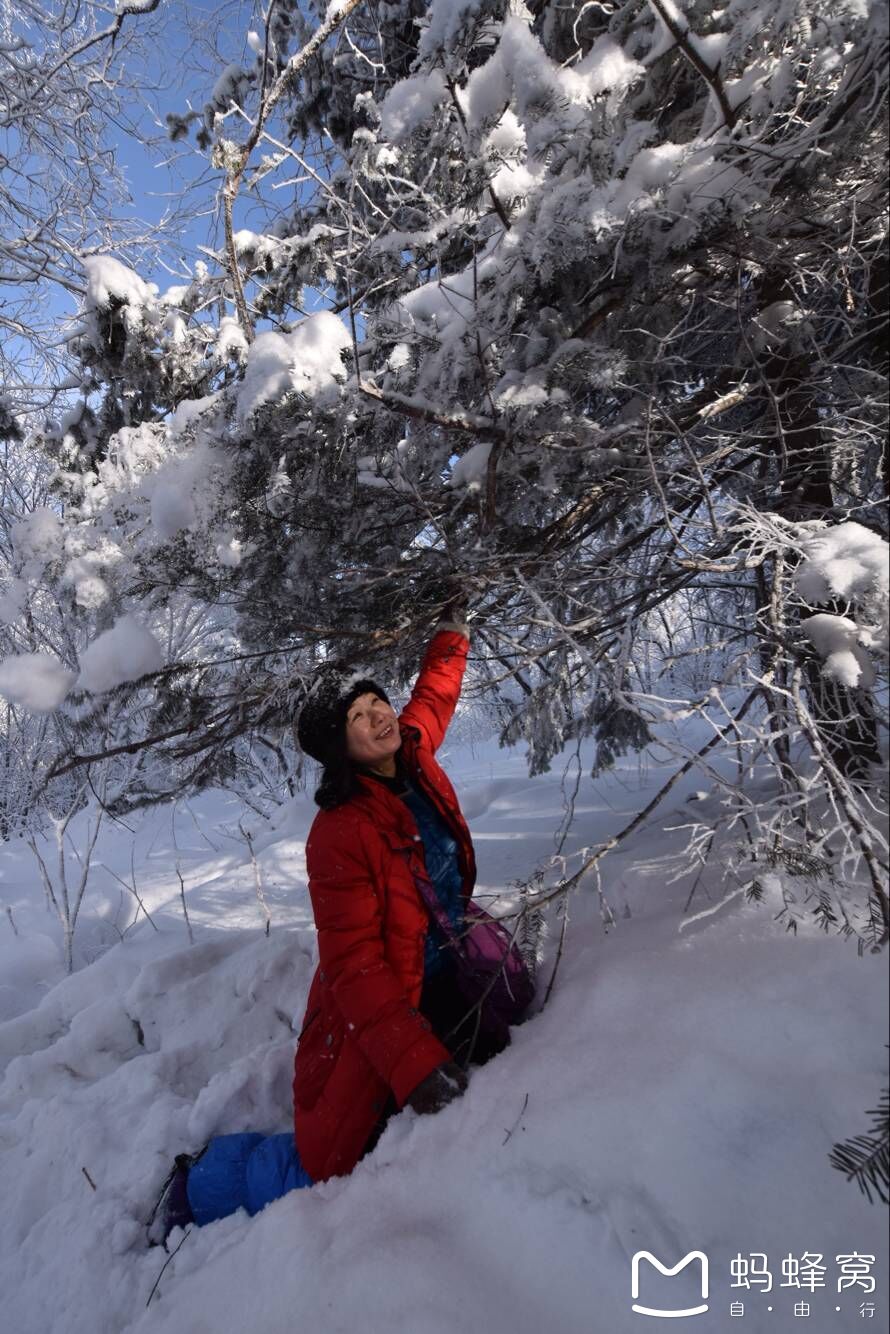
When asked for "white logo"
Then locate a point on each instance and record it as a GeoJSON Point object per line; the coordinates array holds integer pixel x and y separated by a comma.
{"type": "Point", "coordinates": [663, 1269]}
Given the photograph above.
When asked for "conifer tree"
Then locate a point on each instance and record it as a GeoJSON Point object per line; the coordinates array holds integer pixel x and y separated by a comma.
{"type": "Point", "coordinates": [577, 307]}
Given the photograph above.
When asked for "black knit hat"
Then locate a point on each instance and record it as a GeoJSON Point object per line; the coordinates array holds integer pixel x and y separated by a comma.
{"type": "Point", "coordinates": [321, 726]}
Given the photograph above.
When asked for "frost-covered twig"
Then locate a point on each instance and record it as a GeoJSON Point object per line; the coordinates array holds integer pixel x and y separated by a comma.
{"type": "Point", "coordinates": [64, 899]}
{"type": "Point", "coordinates": [591, 861]}
{"type": "Point", "coordinates": [709, 912]}
{"type": "Point", "coordinates": [846, 799]}
{"type": "Point", "coordinates": [481, 427]}
{"type": "Point", "coordinates": [257, 877]}
{"type": "Point", "coordinates": [236, 157]}
{"type": "Point", "coordinates": [105, 35]}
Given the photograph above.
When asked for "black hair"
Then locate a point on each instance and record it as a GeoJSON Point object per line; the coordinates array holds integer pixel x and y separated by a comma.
{"type": "Point", "coordinates": [339, 784]}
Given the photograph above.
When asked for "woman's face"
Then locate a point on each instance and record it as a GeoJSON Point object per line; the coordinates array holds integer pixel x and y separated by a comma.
{"type": "Point", "coordinates": [372, 733]}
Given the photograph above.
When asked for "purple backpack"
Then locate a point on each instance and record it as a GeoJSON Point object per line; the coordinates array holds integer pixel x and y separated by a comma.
{"type": "Point", "coordinates": [491, 974]}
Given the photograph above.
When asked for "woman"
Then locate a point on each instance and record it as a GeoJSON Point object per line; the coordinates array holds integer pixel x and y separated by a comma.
{"type": "Point", "coordinates": [384, 1024]}
{"type": "Point", "coordinates": [383, 1018]}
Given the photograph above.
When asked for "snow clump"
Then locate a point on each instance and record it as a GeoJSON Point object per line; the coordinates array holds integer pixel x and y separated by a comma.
{"type": "Point", "coordinates": [113, 290]}
{"type": "Point", "coordinates": [470, 469]}
{"type": "Point", "coordinates": [190, 410]}
{"type": "Point", "coordinates": [84, 572]}
{"type": "Point", "coordinates": [410, 103]}
{"type": "Point", "coordinates": [443, 22]}
{"type": "Point", "coordinates": [836, 640]}
{"type": "Point", "coordinates": [124, 653]}
{"type": "Point", "coordinates": [38, 538]}
{"type": "Point", "coordinates": [110, 281]}
{"type": "Point", "coordinates": [306, 361]}
{"type": "Point", "coordinates": [231, 345]}
{"type": "Point", "coordinates": [521, 71]}
{"type": "Point", "coordinates": [172, 509]}
{"type": "Point", "coordinates": [36, 681]}
{"type": "Point", "coordinates": [13, 601]}
{"type": "Point", "coordinates": [847, 561]}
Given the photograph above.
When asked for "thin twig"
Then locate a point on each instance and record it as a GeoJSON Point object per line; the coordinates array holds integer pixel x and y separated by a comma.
{"type": "Point", "coordinates": [516, 1122]}
{"type": "Point", "coordinates": [565, 886]}
{"type": "Point", "coordinates": [564, 912]}
{"type": "Point", "coordinates": [165, 1264]}
{"type": "Point", "coordinates": [257, 878]}
{"type": "Point", "coordinates": [681, 35]}
{"type": "Point", "coordinates": [131, 889]}
{"type": "Point", "coordinates": [110, 32]}
{"type": "Point", "coordinates": [185, 911]}
{"type": "Point", "coordinates": [841, 788]}
{"type": "Point", "coordinates": [268, 102]}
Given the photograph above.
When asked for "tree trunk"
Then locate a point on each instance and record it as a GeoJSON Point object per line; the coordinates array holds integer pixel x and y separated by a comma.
{"type": "Point", "coordinates": [805, 492]}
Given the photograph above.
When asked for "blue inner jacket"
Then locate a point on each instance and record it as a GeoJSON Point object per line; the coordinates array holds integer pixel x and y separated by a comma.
{"type": "Point", "coordinates": [440, 856]}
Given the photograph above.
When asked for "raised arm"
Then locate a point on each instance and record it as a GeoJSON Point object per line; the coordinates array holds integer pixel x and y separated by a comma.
{"type": "Point", "coordinates": [437, 689]}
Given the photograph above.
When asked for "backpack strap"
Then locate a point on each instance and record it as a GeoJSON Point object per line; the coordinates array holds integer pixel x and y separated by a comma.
{"type": "Point", "coordinates": [427, 892]}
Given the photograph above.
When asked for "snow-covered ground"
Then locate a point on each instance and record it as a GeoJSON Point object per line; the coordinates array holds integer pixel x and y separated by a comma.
{"type": "Point", "coordinates": [680, 1092]}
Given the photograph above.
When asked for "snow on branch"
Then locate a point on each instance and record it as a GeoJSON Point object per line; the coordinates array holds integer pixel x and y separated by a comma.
{"type": "Point", "coordinates": [704, 57]}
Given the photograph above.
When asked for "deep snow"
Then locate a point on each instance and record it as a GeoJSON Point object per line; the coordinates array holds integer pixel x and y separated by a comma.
{"type": "Point", "coordinates": [680, 1092]}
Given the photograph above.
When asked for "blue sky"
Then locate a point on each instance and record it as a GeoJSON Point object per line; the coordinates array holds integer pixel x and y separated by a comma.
{"type": "Point", "coordinates": [160, 174]}
{"type": "Point", "coordinates": [177, 74]}
{"type": "Point", "coordinates": [185, 46]}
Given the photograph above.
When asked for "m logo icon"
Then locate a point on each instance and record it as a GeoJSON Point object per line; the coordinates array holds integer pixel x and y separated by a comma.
{"type": "Point", "coordinates": [669, 1273]}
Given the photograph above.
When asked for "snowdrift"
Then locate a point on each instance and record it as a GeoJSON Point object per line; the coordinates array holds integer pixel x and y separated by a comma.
{"type": "Point", "coordinates": [680, 1092]}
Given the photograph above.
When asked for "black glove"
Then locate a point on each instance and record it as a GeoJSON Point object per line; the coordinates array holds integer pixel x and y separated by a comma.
{"type": "Point", "coordinates": [440, 1087]}
{"type": "Point", "coordinates": [456, 592]}
{"type": "Point", "coordinates": [443, 590]}
{"type": "Point", "coordinates": [456, 609]}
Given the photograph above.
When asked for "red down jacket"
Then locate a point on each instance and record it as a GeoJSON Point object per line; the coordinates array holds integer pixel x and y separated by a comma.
{"type": "Point", "coordinates": [362, 1035]}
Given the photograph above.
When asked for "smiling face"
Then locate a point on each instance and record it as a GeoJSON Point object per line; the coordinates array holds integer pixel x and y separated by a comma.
{"type": "Point", "coordinates": [372, 734]}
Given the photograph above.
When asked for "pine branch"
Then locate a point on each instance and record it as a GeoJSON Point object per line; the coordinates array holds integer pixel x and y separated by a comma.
{"type": "Point", "coordinates": [866, 1158]}
{"type": "Point", "coordinates": [481, 427]}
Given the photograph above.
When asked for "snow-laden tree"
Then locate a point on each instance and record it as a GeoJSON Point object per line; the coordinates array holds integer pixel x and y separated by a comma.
{"type": "Point", "coordinates": [580, 307]}
{"type": "Point", "coordinates": [67, 88]}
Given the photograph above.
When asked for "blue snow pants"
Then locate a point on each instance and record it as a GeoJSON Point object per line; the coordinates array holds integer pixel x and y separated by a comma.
{"type": "Point", "coordinates": [243, 1172]}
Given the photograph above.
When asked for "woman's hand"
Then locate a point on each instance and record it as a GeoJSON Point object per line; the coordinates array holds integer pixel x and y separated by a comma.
{"type": "Point", "coordinates": [457, 592]}
{"type": "Point", "coordinates": [455, 610]}
{"type": "Point", "coordinates": [440, 1087]}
